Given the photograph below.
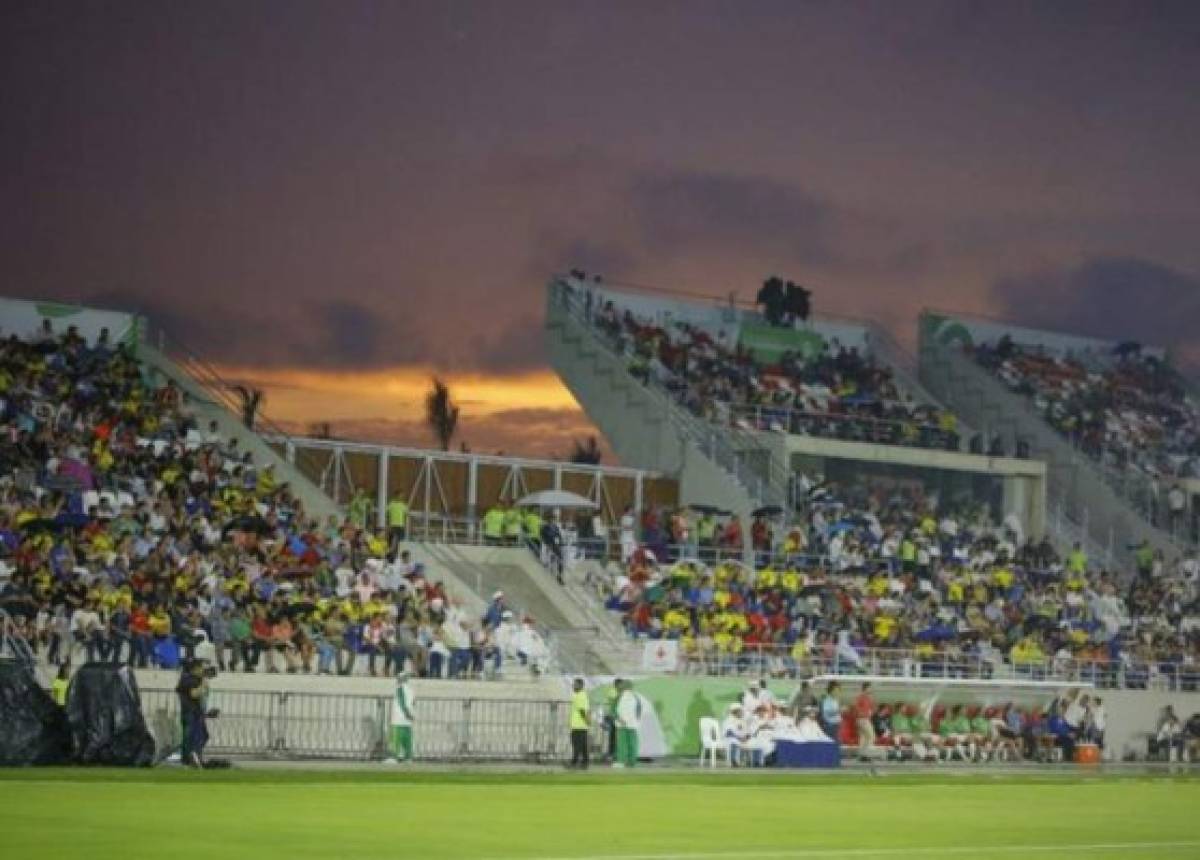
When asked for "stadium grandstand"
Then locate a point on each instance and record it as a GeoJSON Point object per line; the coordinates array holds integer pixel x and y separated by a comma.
{"type": "Point", "coordinates": [796, 506]}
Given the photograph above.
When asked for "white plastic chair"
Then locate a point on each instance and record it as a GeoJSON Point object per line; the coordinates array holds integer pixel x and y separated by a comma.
{"type": "Point", "coordinates": [711, 742]}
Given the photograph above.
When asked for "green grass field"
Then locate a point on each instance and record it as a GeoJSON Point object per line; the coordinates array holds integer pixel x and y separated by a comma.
{"type": "Point", "coordinates": [359, 815]}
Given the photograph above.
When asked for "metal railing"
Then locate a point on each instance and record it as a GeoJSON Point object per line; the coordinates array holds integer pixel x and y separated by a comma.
{"type": "Point", "coordinates": [847, 427]}
{"type": "Point", "coordinates": [13, 645]}
{"type": "Point", "coordinates": [357, 727]}
{"type": "Point", "coordinates": [778, 661]}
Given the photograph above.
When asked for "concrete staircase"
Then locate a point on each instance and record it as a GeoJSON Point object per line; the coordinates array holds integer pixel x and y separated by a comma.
{"type": "Point", "coordinates": [209, 399]}
{"type": "Point", "coordinates": [578, 642]}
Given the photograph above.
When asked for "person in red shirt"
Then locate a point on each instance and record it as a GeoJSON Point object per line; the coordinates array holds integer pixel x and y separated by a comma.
{"type": "Point", "coordinates": [864, 709]}
{"type": "Point", "coordinates": [141, 641]}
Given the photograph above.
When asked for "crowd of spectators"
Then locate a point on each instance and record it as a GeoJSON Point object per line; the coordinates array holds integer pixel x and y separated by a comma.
{"type": "Point", "coordinates": [131, 533]}
{"type": "Point", "coordinates": [837, 393]}
{"type": "Point", "coordinates": [1128, 410]}
{"type": "Point", "coordinates": [887, 578]}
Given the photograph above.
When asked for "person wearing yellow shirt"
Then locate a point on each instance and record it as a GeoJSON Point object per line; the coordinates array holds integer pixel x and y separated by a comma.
{"type": "Point", "coordinates": [885, 626]}
{"type": "Point", "coordinates": [878, 586]}
{"type": "Point", "coordinates": [738, 623]}
{"type": "Point", "coordinates": [513, 523]}
{"type": "Point", "coordinates": [60, 685]}
{"type": "Point", "coordinates": [790, 581]}
{"type": "Point", "coordinates": [954, 591]}
{"type": "Point", "coordinates": [721, 598]}
{"type": "Point", "coordinates": [768, 577]}
{"type": "Point", "coordinates": [160, 623]}
{"type": "Point", "coordinates": [377, 546]}
{"type": "Point", "coordinates": [1077, 560]}
{"type": "Point", "coordinates": [676, 622]}
{"type": "Point", "coordinates": [266, 483]}
{"type": "Point", "coordinates": [397, 520]}
{"type": "Point", "coordinates": [1002, 577]}
{"type": "Point", "coordinates": [579, 721]}
{"type": "Point", "coordinates": [102, 543]}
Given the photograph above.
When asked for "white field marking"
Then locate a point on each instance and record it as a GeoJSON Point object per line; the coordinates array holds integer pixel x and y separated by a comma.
{"type": "Point", "coordinates": [942, 850]}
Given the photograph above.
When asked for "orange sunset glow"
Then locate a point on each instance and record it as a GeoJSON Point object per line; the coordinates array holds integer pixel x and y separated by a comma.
{"type": "Point", "coordinates": [522, 413]}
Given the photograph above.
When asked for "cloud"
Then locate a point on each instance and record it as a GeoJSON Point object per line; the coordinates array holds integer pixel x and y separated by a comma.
{"type": "Point", "coordinates": [685, 210]}
{"type": "Point", "coordinates": [518, 346]}
{"type": "Point", "coordinates": [353, 335]}
{"type": "Point", "coordinates": [1124, 298]}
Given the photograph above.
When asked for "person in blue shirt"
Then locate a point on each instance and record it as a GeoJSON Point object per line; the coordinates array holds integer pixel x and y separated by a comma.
{"type": "Point", "coordinates": [831, 712]}
{"type": "Point", "coordinates": [1058, 728]}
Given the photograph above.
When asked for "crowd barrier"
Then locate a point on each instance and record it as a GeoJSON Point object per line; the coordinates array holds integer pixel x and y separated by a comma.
{"type": "Point", "coordinates": [290, 725]}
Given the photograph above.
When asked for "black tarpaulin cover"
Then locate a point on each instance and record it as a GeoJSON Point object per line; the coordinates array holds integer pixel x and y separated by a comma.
{"type": "Point", "coordinates": [104, 711]}
{"type": "Point", "coordinates": [33, 729]}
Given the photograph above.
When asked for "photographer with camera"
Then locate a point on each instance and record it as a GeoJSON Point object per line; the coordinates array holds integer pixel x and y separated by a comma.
{"type": "Point", "coordinates": [192, 690]}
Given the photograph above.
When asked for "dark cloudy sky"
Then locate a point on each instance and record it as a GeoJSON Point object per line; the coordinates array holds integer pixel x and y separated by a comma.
{"type": "Point", "coordinates": [330, 195]}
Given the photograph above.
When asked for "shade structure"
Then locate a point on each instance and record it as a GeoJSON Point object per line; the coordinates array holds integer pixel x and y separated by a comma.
{"type": "Point", "coordinates": [556, 499]}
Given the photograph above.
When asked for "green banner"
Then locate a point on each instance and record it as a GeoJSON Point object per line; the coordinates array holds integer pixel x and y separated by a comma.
{"type": "Point", "coordinates": [679, 704]}
{"type": "Point", "coordinates": [767, 343]}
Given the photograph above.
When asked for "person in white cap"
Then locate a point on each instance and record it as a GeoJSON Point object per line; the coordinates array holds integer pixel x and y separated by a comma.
{"type": "Point", "coordinates": [506, 638]}
{"type": "Point", "coordinates": [402, 720]}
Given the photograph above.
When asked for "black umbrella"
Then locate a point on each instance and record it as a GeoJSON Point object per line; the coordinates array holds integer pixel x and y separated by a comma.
{"type": "Point", "coordinates": [247, 524]}
{"type": "Point", "coordinates": [767, 511]}
{"type": "Point", "coordinates": [710, 509]}
{"type": "Point", "coordinates": [42, 524]}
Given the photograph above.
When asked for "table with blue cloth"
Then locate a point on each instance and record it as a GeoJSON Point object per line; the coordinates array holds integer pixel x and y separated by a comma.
{"type": "Point", "coordinates": [807, 754]}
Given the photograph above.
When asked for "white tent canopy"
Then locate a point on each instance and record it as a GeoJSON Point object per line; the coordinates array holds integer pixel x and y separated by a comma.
{"type": "Point", "coordinates": [556, 499]}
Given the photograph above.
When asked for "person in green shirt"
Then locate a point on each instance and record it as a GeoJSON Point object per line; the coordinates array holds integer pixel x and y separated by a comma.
{"type": "Point", "coordinates": [533, 529]}
{"type": "Point", "coordinates": [955, 730]}
{"type": "Point", "coordinates": [239, 641]}
{"type": "Point", "coordinates": [1143, 557]}
{"type": "Point", "coordinates": [579, 722]}
{"type": "Point", "coordinates": [908, 555]}
{"type": "Point", "coordinates": [402, 720]}
{"type": "Point", "coordinates": [493, 524]}
{"type": "Point", "coordinates": [981, 734]}
{"type": "Point", "coordinates": [60, 684]}
{"type": "Point", "coordinates": [610, 718]}
{"type": "Point", "coordinates": [397, 520]}
{"type": "Point", "coordinates": [513, 522]}
{"type": "Point", "coordinates": [359, 508]}
{"type": "Point", "coordinates": [629, 714]}
{"type": "Point", "coordinates": [901, 727]}
{"type": "Point", "coordinates": [926, 744]}
{"type": "Point", "coordinates": [1077, 561]}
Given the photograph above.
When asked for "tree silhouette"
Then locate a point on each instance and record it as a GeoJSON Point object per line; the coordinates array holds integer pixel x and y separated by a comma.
{"type": "Point", "coordinates": [250, 400]}
{"type": "Point", "coordinates": [441, 412]}
{"type": "Point", "coordinates": [587, 452]}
